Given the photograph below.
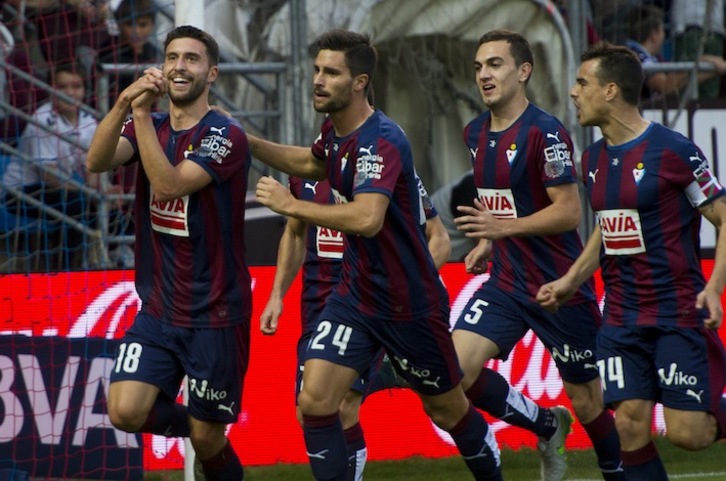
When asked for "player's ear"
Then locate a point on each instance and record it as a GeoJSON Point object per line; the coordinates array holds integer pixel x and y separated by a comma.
{"type": "Point", "coordinates": [213, 74]}
{"type": "Point", "coordinates": [525, 71]}
{"type": "Point", "coordinates": [361, 82]}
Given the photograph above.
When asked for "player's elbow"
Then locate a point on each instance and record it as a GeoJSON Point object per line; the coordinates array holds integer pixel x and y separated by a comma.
{"type": "Point", "coordinates": [370, 226]}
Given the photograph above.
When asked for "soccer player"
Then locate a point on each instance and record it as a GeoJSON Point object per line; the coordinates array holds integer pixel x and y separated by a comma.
{"type": "Point", "coordinates": [191, 273]}
{"type": "Point", "coordinates": [526, 218]}
{"type": "Point", "coordinates": [658, 343]}
{"type": "Point", "coordinates": [389, 294]}
{"type": "Point", "coordinates": [319, 252]}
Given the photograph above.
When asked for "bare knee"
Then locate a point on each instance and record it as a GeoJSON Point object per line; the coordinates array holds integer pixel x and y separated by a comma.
{"type": "Point", "coordinates": [586, 400]}
{"type": "Point", "coordinates": [126, 416]}
{"type": "Point", "coordinates": [446, 410]}
{"type": "Point", "coordinates": [207, 438]}
{"type": "Point", "coordinates": [350, 408]}
{"type": "Point", "coordinates": [692, 431]}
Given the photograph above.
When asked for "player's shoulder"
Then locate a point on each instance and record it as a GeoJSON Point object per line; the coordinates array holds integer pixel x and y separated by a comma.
{"type": "Point", "coordinates": [221, 124]}
{"type": "Point", "coordinates": [543, 122]}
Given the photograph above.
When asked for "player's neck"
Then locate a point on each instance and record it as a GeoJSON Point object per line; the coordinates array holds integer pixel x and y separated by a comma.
{"type": "Point", "coordinates": [504, 116]}
{"type": "Point", "coordinates": [351, 118]}
{"type": "Point", "coordinates": [187, 116]}
{"type": "Point", "coordinates": [623, 126]}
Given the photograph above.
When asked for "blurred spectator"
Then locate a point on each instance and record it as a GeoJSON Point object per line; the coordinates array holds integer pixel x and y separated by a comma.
{"type": "Point", "coordinates": [48, 147]}
{"type": "Point", "coordinates": [691, 22]}
{"type": "Point", "coordinates": [609, 18]}
{"type": "Point", "coordinates": [590, 32]}
{"type": "Point", "coordinates": [69, 30]}
{"type": "Point", "coordinates": [459, 192]}
{"type": "Point", "coordinates": [136, 20]}
{"type": "Point", "coordinates": [646, 34]}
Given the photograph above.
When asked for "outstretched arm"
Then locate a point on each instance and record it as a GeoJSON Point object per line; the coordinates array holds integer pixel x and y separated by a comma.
{"type": "Point", "coordinates": [290, 257]}
{"type": "Point", "coordinates": [291, 159]}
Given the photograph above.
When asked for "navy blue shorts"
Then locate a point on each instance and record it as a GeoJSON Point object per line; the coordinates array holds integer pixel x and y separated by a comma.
{"type": "Point", "coordinates": [682, 368]}
{"type": "Point", "coordinates": [215, 360]}
{"type": "Point", "coordinates": [360, 385]}
{"type": "Point", "coordinates": [568, 334]}
{"type": "Point", "coordinates": [420, 350]}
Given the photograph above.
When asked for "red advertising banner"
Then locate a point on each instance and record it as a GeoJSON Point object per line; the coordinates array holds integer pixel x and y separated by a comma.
{"type": "Point", "coordinates": [102, 304]}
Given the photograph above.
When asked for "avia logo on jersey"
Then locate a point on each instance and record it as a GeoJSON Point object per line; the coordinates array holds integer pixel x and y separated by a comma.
{"type": "Point", "coordinates": [329, 243]}
{"type": "Point", "coordinates": [621, 231]}
{"type": "Point", "coordinates": [214, 145]}
{"type": "Point", "coordinates": [568, 354]}
{"type": "Point", "coordinates": [369, 165]}
{"type": "Point", "coordinates": [201, 389]}
{"type": "Point", "coordinates": [499, 202]}
{"type": "Point", "coordinates": [676, 377]}
{"type": "Point", "coordinates": [170, 217]}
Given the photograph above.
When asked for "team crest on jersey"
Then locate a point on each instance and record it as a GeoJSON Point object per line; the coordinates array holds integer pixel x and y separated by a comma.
{"type": "Point", "coordinates": [128, 120]}
{"type": "Point", "coordinates": [621, 231]}
{"type": "Point", "coordinates": [499, 202]}
{"type": "Point", "coordinates": [638, 173]}
{"type": "Point", "coordinates": [329, 243]}
{"type": "Point", "coordinates": [170, 217]}
{"type": "Point", "coordinates": [511, 153]}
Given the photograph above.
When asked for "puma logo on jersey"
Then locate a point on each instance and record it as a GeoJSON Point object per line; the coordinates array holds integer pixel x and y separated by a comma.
{"type": "Point", "coordinates": [365, 150]}
{"type": "Point", "coordinates": [217, 130]}
{"type": "Point", "coordinates": [555, 136]}
{"type": "Point", "coordinates": [312, 187]}
{"type": "Point", "coordinates": [593, 174]}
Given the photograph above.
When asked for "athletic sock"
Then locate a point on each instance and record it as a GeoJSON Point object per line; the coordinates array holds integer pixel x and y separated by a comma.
{"type": "Point", "coordinates": [357, 452]}
{"type": "Point", "coordinates": [606, 442]}
{"type": "Point", "coordinates": [643, 464]}
{"type": "Point", "coordinates": [167, 418]}
{"type": "Point", "coordinates": [477, 446]}
{"type": "Point", "coordinates": [493, 394]}
{"type": "Point", "coordinates": [326, 447]}
{"type": "Point", "coordinates": [223, 466]}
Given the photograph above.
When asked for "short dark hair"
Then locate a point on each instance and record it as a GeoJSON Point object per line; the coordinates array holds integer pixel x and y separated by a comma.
{"type": "Point", "coordinates": [130, 10]}
{"type": "Point", "coordinates": [642, 20]}
{"type": "Point", "coordinates": [189, 31]}
{"type": "Point", "coordinates": [75, 68]}
{"type": "Point", "coordinates": [619, 65]}
{"type": "Point", "coordinates": [360, 56]}
{"type": "Point", "coordinates": [518, 44]}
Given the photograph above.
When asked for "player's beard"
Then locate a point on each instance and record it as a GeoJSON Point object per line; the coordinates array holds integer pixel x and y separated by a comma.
{"type": "Point", "coordinates": [190, 96]}
{"type": "Point", "coordinates": [335, 103]}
